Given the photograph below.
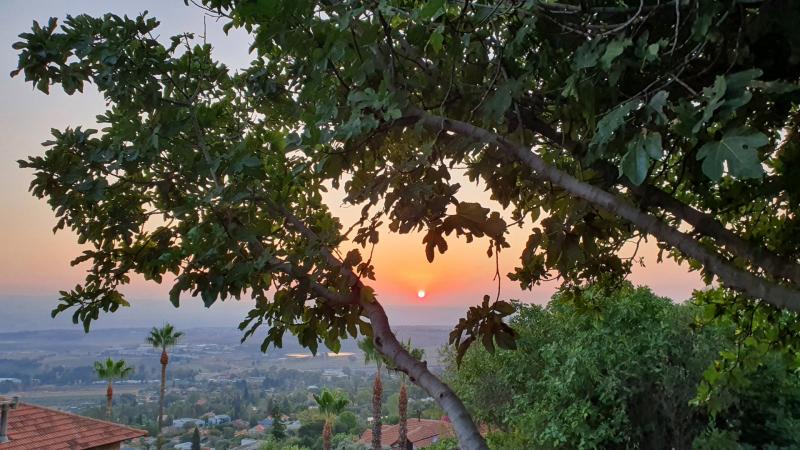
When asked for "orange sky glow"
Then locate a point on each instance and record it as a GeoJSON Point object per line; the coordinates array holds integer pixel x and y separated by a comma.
{"type": "Point", "coordinates": [33, 261]}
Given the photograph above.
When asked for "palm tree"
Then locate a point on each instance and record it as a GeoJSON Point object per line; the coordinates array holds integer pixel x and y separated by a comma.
{"type": "Point", "coordinates": [418, 354]}
{"type": "Point", "coordinates": [161, 339]}
{"type": "Point", "coordinates": [331, 404]}
{"type": "Point", "coordinates": [371, 354]}
{"type": "Point", "coordinates": [110, 370]}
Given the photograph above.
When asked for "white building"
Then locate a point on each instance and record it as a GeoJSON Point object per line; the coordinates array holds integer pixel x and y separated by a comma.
{"type": "Point", "coordinates": [219, 420]}
{"type": "Point", "coordinates": [180, 423]}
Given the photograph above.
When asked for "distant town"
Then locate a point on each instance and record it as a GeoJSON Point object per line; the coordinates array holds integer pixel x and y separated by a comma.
{"type": "Point", "coordinates": [234, 395]}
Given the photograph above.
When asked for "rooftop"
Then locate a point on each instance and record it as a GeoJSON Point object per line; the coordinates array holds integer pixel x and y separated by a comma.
{"type": "Point", "coordinates": [421, 432]}
{"type": "Point", "coordinates": [33, 427]}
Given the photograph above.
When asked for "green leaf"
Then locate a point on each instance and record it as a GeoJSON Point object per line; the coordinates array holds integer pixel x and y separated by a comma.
{"type": "Point", "coordinates": [737, 148]}
{"type": "Point", "coordinates": [497, 105]}
{"type": "Point", "coordinates": [436, 40]}
{"type": "Point", "coordinates": [613, 50]}
{"type": "Point", "coordinates": [613, 120]}
{"type": "Point", "coordinates": [714, 98]}
{"type": "Point", "coordinates": [586, 56]}
{"type": "Point", "coordinates": [655, 107]}
{"type": "Point", "coordinates": [636, 161]}
{"type": "Point", "coordinates": [431, 9]}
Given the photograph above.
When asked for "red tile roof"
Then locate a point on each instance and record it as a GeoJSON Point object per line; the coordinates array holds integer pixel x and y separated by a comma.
{"type": "Point", "coordinates": [36, 428]}
{"type": "Point", "coordinates": [421, 432]}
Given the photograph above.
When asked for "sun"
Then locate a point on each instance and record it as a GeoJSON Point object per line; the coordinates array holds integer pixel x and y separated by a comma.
{"type": "Point", "coordinates": [421, 293]}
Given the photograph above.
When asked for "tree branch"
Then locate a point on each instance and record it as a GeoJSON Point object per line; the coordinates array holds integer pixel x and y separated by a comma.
{"type": "Point", "coordinates": [732, 276]}
{"type": "Point", "coordinates": [386, 342]}
{"type": "Point", "coordinates": [649, 195]}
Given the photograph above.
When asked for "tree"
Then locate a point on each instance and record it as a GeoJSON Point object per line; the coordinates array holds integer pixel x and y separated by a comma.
{"type": "Point", "coordinates": [278, 431]}
{"type": "Point", "coordinates": [331, 404]}
{"type": "Point", "coordinates": [110, 371]}
{"type": "Point", "coordinates": [196, 439]}
{"type": "Point", "coordinates": [402, 404]}
{"type": "Point", "coordinates": [613, 366]}
{"type": "Point", "coordinates": [610, 121]}
{"type": "Point", "coordinates": [162, 339]}
{"type": "Point", "coordinates": [371, 355]}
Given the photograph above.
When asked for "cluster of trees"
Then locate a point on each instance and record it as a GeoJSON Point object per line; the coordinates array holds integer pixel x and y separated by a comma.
{"type": "Point", "coordinates": [612, 366]}
{"type": "Point", "coordinates": [592, 124]}
{"type": "Point", "coordinates": [372, 355]}
{"type": "Point", "coordinates": [110, 370]}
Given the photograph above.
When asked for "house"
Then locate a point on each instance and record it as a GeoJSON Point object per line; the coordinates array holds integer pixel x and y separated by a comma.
{"type": "Point", "coordinates": [180, 423]}
{"type": "Point", "coordinates": [218, 420]}
{"type": "Point", "coordinates": [266, 423]}
{"type": "Point", "coordinates": [421, 433]}
{"type": "Point", "coordinates": [240, 424]}
{"type": "Point", "coordinates": [249, 444]}
{"type": "Point", "coordinates": [188, 446]}
{"type": "Point", "coordinates": [257, 430]}
{"type": "Point", "coordinates": [31, 427]}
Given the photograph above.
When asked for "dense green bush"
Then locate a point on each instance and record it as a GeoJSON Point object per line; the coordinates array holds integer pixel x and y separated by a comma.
{"type": "Point", "coordinates": [618, 368]}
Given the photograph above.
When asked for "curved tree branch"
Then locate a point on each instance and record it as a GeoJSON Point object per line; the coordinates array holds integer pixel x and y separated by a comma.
{"type": "Point", "coordinates": [648, 195]}
{"type": "Point", "coordinates": [732, 276]}
{"type": "Point", "coordinates": [386, 342]}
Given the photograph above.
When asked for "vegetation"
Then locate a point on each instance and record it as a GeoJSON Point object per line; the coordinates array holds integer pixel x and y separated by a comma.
{"type": "Point", "coordinates": [402, 401]}
{"type": "Point", "coordinates": [110, 371]}
{"type": "Point", "coordinates": [162, 339]}
{"type": "Point", "coordinates": [331, 404]}
{"type": "Point", "coordinates": [593, 124]}
{"type": "Point", "coordinates": [618, 367]}
{"type": "Point", "coordinates": [196, 439]}
{"type": "Point", "coordinates": [371, 355]}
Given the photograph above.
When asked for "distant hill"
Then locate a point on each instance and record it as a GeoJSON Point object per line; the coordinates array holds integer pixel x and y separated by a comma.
{"type": "Point", "coordinates": [23, 313]}
{"type": "Point", "coordinates": [428, 337]}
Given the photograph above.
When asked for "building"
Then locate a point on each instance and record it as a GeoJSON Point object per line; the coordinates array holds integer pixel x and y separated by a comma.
{"type": "Point", "coordinates": [266, 423]}
{"type": "Point", "coordinates": [249, 444]}
{"type": "Point", "coordinates": [180, 423]}
{"type": "Point", "coordinates": [421, 433]}
{"type": "Point", "coordinates": [188, 446]}
{"type": "Point", "coordinates": [218, 420]}
{"type": "Point", "coordinates": [29, 427]}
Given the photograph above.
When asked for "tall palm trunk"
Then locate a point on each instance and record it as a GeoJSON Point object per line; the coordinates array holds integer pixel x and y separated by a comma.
{"type": "Point", "coordinates": [326, 435]}
{"type": "Point", "coordinates": [162, 392]}
{"type": "Point", "coordinates": [403, 412]}
{"type": "Point", "coordinates": [377, 391]}
{"type": "Point", "coordinates": [109, 400]}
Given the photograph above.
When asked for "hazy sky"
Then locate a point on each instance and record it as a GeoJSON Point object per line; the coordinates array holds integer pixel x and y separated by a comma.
{"type": "Point", "coordinates": [34, 263]}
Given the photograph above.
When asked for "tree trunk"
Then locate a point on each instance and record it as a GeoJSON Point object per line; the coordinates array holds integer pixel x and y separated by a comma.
{"type": "Point", "coordinates": [469, 438]}
{"type": "Point", "coordinates": [377, 392]}
{"type": "Point", "coordinates": [162, 391]}
{"type": "Point", "coordinates": [403, 412]}
{"type": "Point", "coordinates": [326, 435]}
{"type": "Point", "coordinates": [109, 400]}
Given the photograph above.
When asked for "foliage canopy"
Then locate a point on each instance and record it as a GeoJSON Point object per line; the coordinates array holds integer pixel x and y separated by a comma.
{"type": "Point", "coordinates": [616, 367]}
{"type": "Point", "coordinates": [592, 124]}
